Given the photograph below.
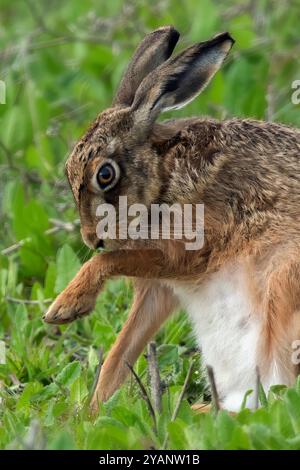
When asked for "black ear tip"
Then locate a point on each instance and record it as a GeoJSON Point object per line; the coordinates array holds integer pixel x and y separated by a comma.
{"type": "Point", "coordinates": [229, 37]}
{"type": "Point", "coordinates": [168, 29]}
{"type": "Point", "coordinates": [222, 37]}
{"type": "Point", "coordinates": [170, 35]}
{"type": "Point", "coordinates": [223, 41]}
{"type": "Point", "coordinates": [175, 33]}
{"type": "Point", "coordinates": [174, 36]}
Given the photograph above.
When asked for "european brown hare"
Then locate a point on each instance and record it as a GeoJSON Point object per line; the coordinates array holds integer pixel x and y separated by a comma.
{"type": "Point", "coordinates": [241, 289]}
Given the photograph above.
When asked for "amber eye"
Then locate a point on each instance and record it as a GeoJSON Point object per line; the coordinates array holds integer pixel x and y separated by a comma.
{"type": "Point", "coordinates": [107, 176]}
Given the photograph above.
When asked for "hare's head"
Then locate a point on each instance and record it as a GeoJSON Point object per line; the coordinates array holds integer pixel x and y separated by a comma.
{"type": "Point", "coordinates": [116, 157]}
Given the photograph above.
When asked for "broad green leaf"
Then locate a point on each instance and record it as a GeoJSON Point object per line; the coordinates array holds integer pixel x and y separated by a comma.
{"type": "Point", "coordinates": [67, 265]}
{"type": "Point", "coordinates": [69, 374]}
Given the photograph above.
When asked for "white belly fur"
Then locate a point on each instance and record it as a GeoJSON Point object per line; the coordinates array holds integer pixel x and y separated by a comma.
{"type": "Point", "coordinates": [227, 330]}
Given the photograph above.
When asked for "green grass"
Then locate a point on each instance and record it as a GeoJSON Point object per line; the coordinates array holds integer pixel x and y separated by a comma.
{"type": "Point", "coordinates": [61, 62]}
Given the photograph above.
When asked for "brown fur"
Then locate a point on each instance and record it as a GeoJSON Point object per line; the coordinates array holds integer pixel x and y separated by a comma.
{"type": "Point", "coordinates": [247, 175]}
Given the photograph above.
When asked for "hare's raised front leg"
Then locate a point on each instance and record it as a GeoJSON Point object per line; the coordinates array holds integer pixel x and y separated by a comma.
{"type": "Point", "coordinates": [152, 304]}
{"type": "Point", "coordinates": [78, 298]}
{"type": "Point", "coordinates": [80, 295]}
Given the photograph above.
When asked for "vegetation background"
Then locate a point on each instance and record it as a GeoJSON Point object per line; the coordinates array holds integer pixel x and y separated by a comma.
{"type": "Point", "coordinates": [61, 62]}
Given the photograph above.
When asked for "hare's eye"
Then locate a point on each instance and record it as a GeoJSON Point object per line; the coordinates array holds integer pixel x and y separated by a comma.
{"type": "Point", "coordinates": [107, 176]}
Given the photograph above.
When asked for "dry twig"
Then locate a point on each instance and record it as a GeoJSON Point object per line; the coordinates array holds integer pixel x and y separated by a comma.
{"type": "Point", "coordinates": [155, 382]}
{"type": "Point", "coordinates": [100, 361]}
{"type": "Point", "coordinates": [213, 387]}
{"type": "Point", "coordinates": [57, 226]}
{"type": "Point", "coordinates": [144, 395]}
{"type": "Point", "coordinates": [27, 302]}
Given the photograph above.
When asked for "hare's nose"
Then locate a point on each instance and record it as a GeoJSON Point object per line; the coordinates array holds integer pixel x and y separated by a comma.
{"type": "Point", "coordinates": [91, 240]}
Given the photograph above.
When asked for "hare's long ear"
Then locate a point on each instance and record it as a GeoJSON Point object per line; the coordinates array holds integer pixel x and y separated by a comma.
{"type": "Point", "coordinates": [180, 79]}
{"type": "Point", "coordinates": [155, 49]}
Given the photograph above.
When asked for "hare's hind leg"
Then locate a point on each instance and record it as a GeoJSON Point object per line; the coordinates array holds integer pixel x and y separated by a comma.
{"type": "Point", "coordinates": [152, 304]}
{"type": "Point", "coordinates": [281, 325]}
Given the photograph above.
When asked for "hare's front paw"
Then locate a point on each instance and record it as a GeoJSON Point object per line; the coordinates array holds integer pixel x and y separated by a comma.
{"type": "Point", "coordinates": [69, 306]}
